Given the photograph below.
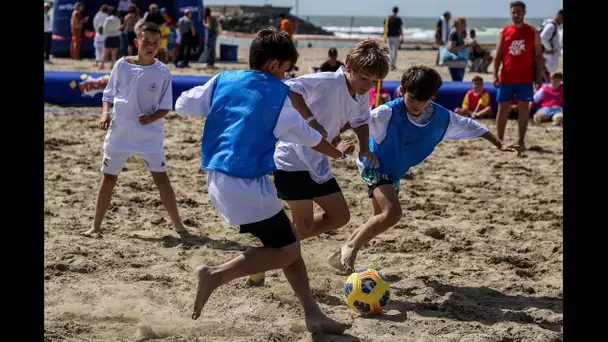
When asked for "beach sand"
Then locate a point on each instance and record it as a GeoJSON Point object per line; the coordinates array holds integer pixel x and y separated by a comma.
{"type": "Point", "coordinates": [309, 58]}
{"type": "Point", "coordinates": [476, 257]}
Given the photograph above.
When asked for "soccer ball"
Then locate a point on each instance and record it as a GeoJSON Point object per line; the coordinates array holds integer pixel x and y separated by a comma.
{"type": "Point", "coordinates": [367, 291]}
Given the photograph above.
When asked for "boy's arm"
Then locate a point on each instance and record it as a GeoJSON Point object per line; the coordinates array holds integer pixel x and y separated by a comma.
{"type": "Point", "coordinates": [300, 105]}
{"type": "Point", "coordinates": [108, 98]}
{"type": "Point", "coordinates": [291, 128]}
{"type": "Point", "coordinates": [461, 127]}
{"type": "Point", "coordinates": [196, 101]}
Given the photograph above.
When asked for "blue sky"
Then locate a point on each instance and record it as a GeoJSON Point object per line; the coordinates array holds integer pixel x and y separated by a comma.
{"type": "Point", "coordinates": [407, 8]}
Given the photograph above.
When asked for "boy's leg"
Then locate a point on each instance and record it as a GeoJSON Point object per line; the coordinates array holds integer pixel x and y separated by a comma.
{"type": "Point", "coordinates": [463, 112]}
{"type": "Point", "coordinates": [525, 95]}
{"type": "Point", "coordinates": [387, 212]}
{"type": "Point", "coordinates": [558, 119]}
{"type": "Point", "coordinates": [111, 166]}
{"type": "Point", "coordinates": [335, 214]}
{"type": "Point", "coordinates": [157, 165]}
{"type": "Point", "coordinates": [281, 250]}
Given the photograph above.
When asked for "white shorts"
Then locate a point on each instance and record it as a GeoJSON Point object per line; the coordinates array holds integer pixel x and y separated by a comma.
{"type": "Point", "coordinates": [112, 162]}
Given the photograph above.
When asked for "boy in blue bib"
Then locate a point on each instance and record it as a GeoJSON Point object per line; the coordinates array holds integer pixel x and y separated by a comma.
{"type": "Point", "coordinates": [248, 112]}
{"type": "Point", "coordinates": [403, 133]}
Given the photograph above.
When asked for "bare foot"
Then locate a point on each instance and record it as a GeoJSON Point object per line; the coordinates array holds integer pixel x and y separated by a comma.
{"type": "Point", "coordinates": [349, 255]}
{"type": "Point", "coordinates": [320, 323]}
{"type": "Point", "coordinates": [183, 231]}
{"type": "Point", "coordinates": [92, 232]}
{"type": "Point", "coordinates": [205, 287]}
{"type": "Point", "coordinates": [335, 261]}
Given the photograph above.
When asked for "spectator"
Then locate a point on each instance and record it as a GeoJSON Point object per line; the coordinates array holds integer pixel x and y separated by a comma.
{"type": "Point", "coordinates": [480, 57]}
{"type": "Point", "coordinates": [111, 31]}
{"type": "Point", "coordinates": [212, 25]}
{"type": "Point", "coordinates": [286, 25]}
{"type": "Point", "coordinates": [394, 35]}
{"type": "Point", "coordinates": [76, 24]}
{"type": "Point", "coordinates": [100, 17]}
{"type": "Point", "coordinates": [168, 19]}
{"type": "Point", "coordinates": [550, 97]}
{"type": "Point", "coordinates": [128, 25]}
{"type": "Point", "coordinates": [332, 63]}
{"type": "Point", "coordinates": [518, 50]}
{"type": "Point", "coordinates": [457, 46]}
{"type": "Point", "coordinates": [123, 8]}
{"type": "Point", "coordinates": [384, 95]}
{"type": "Point", "coordinates": [442, 31]}
{"type": "Point", "coordinates": [48, 33]}
{"type": "Point", "coordinates": [153, 15]}
{"type": "Point", "coordinates": [185, 26]}
{"type": "Point", "coordinates": [476, 103]}
{"type": "Point", "coordinates": [551, 42]}
{"type": "Point", "coordinates": [99, 45]}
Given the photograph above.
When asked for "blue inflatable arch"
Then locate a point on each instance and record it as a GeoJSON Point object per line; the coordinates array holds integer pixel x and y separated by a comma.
{"type": "Point", "coordinates": [62, 11]}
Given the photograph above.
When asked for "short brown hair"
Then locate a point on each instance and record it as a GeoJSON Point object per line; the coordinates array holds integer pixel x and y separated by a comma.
{"type": "Point", "coordinates": [477, 79]}
{"type": "Point", "coordinates": [370, 57]}
{"type": "Point", "coordinates": [557, 74]}
{"type": "Point", "coordinates": [421, 81]}
{"type": "Point", "coordinates": [147, 26]}
{"type": "Point", "coordinates": [269, 44]}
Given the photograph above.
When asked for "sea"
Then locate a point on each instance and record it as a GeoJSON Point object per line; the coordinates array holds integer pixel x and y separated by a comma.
{"type": "Point", "coordinates": [415, 29]}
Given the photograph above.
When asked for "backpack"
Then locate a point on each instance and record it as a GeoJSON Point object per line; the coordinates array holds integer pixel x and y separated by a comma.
{"type": "Point", "coordinates": [542, 27]}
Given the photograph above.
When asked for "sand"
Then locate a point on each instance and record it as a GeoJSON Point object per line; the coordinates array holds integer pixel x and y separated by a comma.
{"type": "Point", "coordinates": [477, 256]}
{"type": "Point", "coordinates": [309, 58]}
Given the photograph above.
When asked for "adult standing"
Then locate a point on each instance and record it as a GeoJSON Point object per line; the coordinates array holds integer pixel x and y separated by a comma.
{"type": "Point", "coordinates": [455, 44]}
{"type": "Point", "coordinates": [100, 17]}
{"type": "Point", "coordinates": [48, 33]}
{"type": "Point", "coordinates": [442, 31]}
{"type": "Point", "coordinates": [394, 35]}
{"type": "Point", "coordinates": [185, 26]}
{"type": "Point", "coordinates": [154, 16]}
{"type": "Point", "coordinates": [77, 24]}
{"type": "Point", "coordinates": [128, 25]}
{"type": "Point", "coordinates": [551, 42]}
{"type": "Point", "coordinates": [212, 25]}
{"type": "Point", "coordinates": [518, 50]}
{"type": "Point", "coordinates": [111, 29]}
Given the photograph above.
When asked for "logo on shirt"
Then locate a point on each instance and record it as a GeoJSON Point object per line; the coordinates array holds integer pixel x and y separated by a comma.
{"type": "Point", "coordinates": [90, 86]}
{"type": "Point", "coordinates": [516, 47]}
{"type": "Point", "coordinates": [152, 87]}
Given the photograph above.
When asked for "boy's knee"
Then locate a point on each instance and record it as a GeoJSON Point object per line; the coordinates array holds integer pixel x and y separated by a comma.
{"type": "Point", "coordinates": [558, 119]}
{"type": "Point", "coordinates": [540, 117]}
{"type": "Point", "coordinates": [290, 253]}
{"type": "Point", "coordinates": [392, 213]}
{"type": "Point", "coordinates": [343, 217]}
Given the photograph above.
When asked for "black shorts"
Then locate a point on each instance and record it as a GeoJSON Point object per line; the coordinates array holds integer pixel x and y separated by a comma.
{"type": "Point", "coordinates": [298, 185]}
{"type": "Point", "coordinates": [274, 232]}
{"type": "Point", "coordinates": [111, 43]}
{"type": "Point", "coordinates": [374, 179]}
{"type": "Point", "coordinates": [131, 38]}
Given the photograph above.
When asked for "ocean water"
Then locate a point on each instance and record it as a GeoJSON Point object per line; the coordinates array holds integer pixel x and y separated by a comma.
{"type": "Point", "coordinates": [415, 29]}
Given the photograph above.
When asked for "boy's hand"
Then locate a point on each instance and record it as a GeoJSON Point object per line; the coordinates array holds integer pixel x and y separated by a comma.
{"type": "Point", "coordinates": [104, 121]}
{"type": "Point", "coordinates": [145, 119]}
{"type": "Point", "coordinates": [511, 148]}
{"type": "Point", "coordinates": [336, 141]}
{"type": "Point", "coordinates": [369, 159]}
{"type": "Point", "coordinates": [346, 146]}
{"type": "Point", "coordinates": [314, 124]}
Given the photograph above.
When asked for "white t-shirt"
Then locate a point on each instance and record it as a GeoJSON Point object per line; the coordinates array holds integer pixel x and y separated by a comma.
{"type": "Point", "coordinates": [98, 20]}
{"type": "Point", "coordinates": [99, 40]}
{"type": "Point", "coordinates": [48, 24]}
{"type": "Point", "coordinates": [111, 26]}
{"type": "Point", "coordinates": [460, 127]}
{"type": "Point", "coordinates": [329, 100]}
{"type": "Point", "coordinates": [241, 201]}
{"type": "Point", "coordinates": [136, 89]}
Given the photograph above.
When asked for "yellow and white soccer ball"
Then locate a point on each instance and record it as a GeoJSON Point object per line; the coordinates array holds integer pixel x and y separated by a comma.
{"type": "Point", "coordinates": [367, 291]}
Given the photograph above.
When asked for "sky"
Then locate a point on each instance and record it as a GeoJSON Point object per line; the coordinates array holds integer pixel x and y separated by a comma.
{"type": "Point", "coordinates": [407, 8]}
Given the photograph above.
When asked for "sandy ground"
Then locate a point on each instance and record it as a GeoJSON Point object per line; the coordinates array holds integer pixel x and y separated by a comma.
{"type": "Point", "coordinates": [309, 57]}
{"type": "Point", "coordinates": [476, 257]}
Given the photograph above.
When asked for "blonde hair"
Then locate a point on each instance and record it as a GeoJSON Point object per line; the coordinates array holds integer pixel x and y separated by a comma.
{"type": "Point", "coordinates": [557, 74]}
{"type": "Point", "coordinates": [370, 57]}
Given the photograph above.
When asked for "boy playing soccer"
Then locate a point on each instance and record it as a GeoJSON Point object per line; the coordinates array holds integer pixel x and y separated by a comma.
{"type": "Point", "coordinates": [247, 112]}
{"type": "Point", "coordinates": [403, 133]}
{"type": "Point", "coordinates": [140, 90]}
{"type": "Point", "coordinates": [330, 100]}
